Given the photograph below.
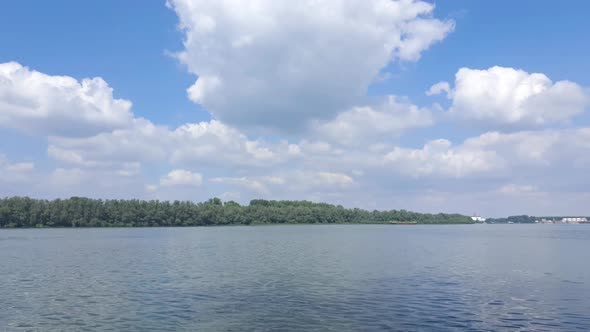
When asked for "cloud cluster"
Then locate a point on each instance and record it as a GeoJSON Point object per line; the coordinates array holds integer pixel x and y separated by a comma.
{"type": "Point", "coordinates": [501, 97]}
{"type": "Point", "coordinates": [41, 104]}
{"type": "Point", "coordinates": [524, 154]}
{"type": "Point", "coordinates": [277, 64]}
{"type": "Point", "coordinates": [288, 180]}
{"type": "Point", "coordinates": [382, 122]}
{"type": "Point", "coordinates": [206, 144]}
{"type": "Point", "coordinates": [296, 74]}
{"type": "Point", "coordinates": [440, 158]}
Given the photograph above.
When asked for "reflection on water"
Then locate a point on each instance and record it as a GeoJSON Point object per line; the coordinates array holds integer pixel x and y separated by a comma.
{"type": "Point", "coordinates": [313, 278]}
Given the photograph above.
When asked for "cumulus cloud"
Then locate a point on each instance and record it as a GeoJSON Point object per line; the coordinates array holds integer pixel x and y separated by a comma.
{"type": "Point", "coordinates": [141, 140]}
{"type": "Point", "coordinates": [210, 143]}
{"type": "Point", "coordinates": [37, 103]}
{"type": "Point", "coordinates": [440, 158]}
{"type": "Point", "coordinates": [507, 97]}
{"type": "Point", "coordinates": [181, 177]}
{"type": "Point", "coordinates": [276, 64]}
{"type": "Point", "coordinates": [525, 154]}
{"type": "Point", "coordinates": [439, 88]}
{"type": "Point", "coordinates": [215, 142]}
{"type": "Point", "coordinates": [383, 122]}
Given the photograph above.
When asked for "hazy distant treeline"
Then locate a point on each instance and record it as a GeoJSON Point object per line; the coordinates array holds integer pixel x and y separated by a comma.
{"type": "Point", "coordinates": [522, 219]}
{"type": "Point", "coordinates": [84, 212]}
{"type": "Point", "coordinates": [525, 219]}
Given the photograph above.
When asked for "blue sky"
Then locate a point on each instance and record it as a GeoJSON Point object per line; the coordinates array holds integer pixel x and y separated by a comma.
{"type": "Point", "coordinates": [133, 47]}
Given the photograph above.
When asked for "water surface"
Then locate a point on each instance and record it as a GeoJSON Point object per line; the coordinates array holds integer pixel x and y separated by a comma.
{"type": "Point", "coordinates": [312, 278]}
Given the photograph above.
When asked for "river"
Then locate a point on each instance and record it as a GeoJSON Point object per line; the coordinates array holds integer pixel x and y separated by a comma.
{"type": "Point", "coordinates": [300, 277]}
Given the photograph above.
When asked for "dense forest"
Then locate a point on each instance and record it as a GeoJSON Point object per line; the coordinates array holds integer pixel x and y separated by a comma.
{"type": "Point", "coordinates": [16, 212]}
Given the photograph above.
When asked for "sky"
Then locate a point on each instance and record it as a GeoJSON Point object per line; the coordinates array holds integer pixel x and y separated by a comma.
{"type": "Point", "coordinates": [475, 107]}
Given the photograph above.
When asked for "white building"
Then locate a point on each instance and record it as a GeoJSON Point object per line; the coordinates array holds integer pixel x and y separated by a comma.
{"type": "Point", "coordinates": [478, 219]}
{"type": "Point", "coordinates": [574, 220]}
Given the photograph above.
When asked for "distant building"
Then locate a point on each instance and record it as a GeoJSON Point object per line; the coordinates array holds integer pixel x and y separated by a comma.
{"type": "Point", "coordinates": [477, 218]}
{"type": "Point", "coordinates": [574, 220]}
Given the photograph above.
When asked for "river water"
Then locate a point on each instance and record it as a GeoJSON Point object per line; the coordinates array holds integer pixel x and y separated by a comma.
{"type": "Point", "coordinates": [301, 277]}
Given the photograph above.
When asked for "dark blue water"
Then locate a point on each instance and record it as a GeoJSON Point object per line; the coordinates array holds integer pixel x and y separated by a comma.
{"type": "Point", "coordinates": [312, 278]}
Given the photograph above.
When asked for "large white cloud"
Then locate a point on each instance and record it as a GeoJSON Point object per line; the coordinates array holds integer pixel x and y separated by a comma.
{"type": "Point", "coordinates": [38, 103]}
{"type": "Point", "coordinates": [511, 98]}
{"type": "Point", "coordinates": [279, 64]}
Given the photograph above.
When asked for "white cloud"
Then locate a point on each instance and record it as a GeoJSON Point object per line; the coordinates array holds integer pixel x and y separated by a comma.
{"type": "Point", "coordinates": [440, 158]}
{"type": "Point", "coordinates": [66, 156]}
{"type": "Point", "coordinates": [439, 88]}
{"type": "Point", "coordinates": [180, 177]}
{"type": "Point", "coordinates": [141, 140]}
{"type": "Point", "coordinates": [209, 143]}
{"type": "Point", "coordinates": [215, 142]}
{"type": "Point", "coordinates": [515, 189]}
{"type": "Point", "coordinates": [41, 104]}
{"type": "Point", "coordinates": [329, 179]}
{"type": "Point", "coordinates": [151, 187]}
{"type": "Point", "coordinates": [15, 172]}
{"type": "Point", "coordinates": [506, 97]}
{"type": "Point", "coordinates": [280, 64]}
{"type": "Point", "coordinates": [533, 154]}
{"type": "Point", "coordinates": [19, 167]}
{"type": "Point", "coordinates": [369, 124]}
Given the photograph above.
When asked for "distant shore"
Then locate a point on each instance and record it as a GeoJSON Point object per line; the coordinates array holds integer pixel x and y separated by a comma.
{"type": "Point", "coordinates": [24, 212]}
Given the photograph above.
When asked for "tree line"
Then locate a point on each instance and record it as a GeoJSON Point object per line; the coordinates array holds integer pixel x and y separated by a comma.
{"type": "Point", "coordinates": [21, 212]}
